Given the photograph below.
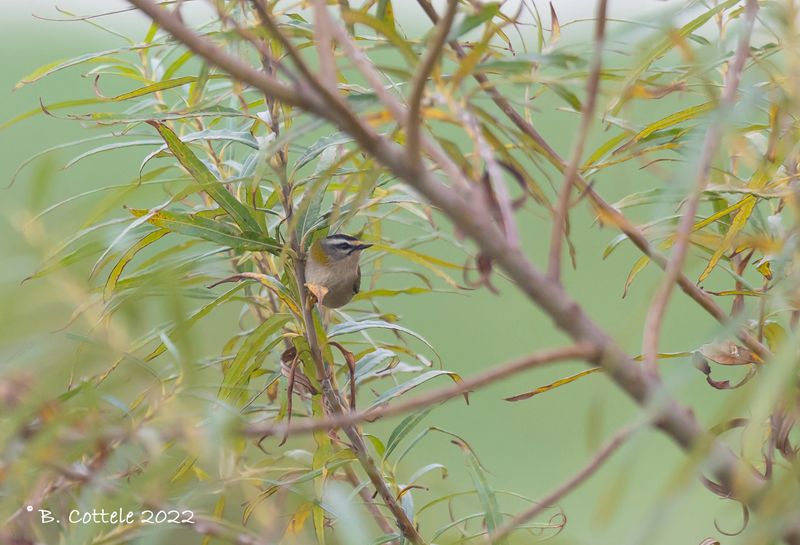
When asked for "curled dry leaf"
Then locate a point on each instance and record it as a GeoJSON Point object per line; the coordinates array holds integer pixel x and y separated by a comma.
{"type": "Point", "coordinates": [484, 266]}
{"type": "Point", "coordinates": [728, 353]}
{"type": "Point", "coordinates": [318, 291]}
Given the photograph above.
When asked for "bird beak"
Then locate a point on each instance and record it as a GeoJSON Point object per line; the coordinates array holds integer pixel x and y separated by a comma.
{"type": "Point", "coordinates": [363, 246]}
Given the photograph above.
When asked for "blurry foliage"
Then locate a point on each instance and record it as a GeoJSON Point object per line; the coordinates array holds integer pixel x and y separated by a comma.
{"type": "Point", "coordinates": [232, 185]}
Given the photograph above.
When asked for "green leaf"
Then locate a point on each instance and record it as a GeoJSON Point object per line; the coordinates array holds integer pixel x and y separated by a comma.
{"type": "Point", "coordinates": [739, 222]}
{"type": "Point", "coordinates": [56, 66]}
{"type": "Point", "coordinates": [238, 211]}
{"type": "Point", "coordinates": [403, 429]}
{"type": "Point", "coordinates": [116, 272]}
{"type": "Point", "coordinates": [485, 13]}
{"type": "Point", "coordinates": [237, 375]}
{"type": "Point", "coordinates": [372, 361]}
{"type": "Point", "coordinates": [400, 389]}
{"type": "Point", "coordinates": [553, 385]}
{"type": "Point", "coordinates": [355, 327]}
{"type": "Point", "coordinates": [208, 229]}
{"type": "Point", "coordinates": [486, 494]}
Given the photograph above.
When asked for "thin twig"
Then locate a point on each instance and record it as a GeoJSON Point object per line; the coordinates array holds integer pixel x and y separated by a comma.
{"type": "Point", "coordinates": [561, 214]}
{"type": "Point", "coordinates": [565, 488]}
{"type": "Point", "coordinates": [436, 396]}
{"type": "Point", "coordinates": [711, 142]}
{"type": "Point", "coordinates": [324, 45]}
{"type": "Point", "coordinates": [432, 55]}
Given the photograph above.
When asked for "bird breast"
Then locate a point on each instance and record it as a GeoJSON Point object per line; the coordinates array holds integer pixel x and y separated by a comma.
{"type": "Point", "coordinates": [337, 276]}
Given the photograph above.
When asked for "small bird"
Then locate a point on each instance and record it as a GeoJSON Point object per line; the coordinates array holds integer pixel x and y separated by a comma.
{"type": "Point", "coordinates": [333, 273]}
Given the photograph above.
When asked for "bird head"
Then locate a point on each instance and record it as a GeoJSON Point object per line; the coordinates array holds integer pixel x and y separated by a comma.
{"type": "Point", "coordinates": [337, 248]}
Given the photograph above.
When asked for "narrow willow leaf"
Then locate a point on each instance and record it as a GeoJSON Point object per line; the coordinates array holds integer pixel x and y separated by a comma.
{"type": "Point", "coordinates": [427, 469]}
{"type": "Point", "coordinates": [319, 147]}
{"type": "Point", "coordinates": [381, 27]}
{"type": "Point", "coordinates": [485, 493]}
{"type": "Point", "coordinates": [373, 361]}
{"type": "Point", "coordinates": [207, 229]}
{"type": "Point", "coordinates": [673, 119]}
{"type": "Point", "coordinates": [237, 374]}
{"type": "Point", "coordinates": [56, 66]}
{"type": "Point", "coordinates": [50, 108]}
{"type": "Point", "coordinates": [485, 13]}
{"type": "Point", "coordinates": [354, 327]}
{"type": "Point", "coordinates": [400, 389]}
{"type": "Point", "coordinates": [554, 385]}
{"type": "Point", "coordinates": [116, 272]}
{"type": "Point", "coordinates": [273, 284]}
{"type": "Point", "coordinates": [155, 87]}
{"type": "Point", "coordinates": [198, 170]}
{"type": "Point", "coordinates": [111, 147]}
{"type": "Point", "coordinates": [433, 264]}
{"type": "Point", "coordinates": [196, 316]}
{"type": "Point", "coordinates": [403, 429]}
{"type": "Point", "coordinates": [555, 26]}
{"type": "Point", "coordinates": [371, 294]}
{"type": "Point", "coordinates": [738, 223]}
{"type": "Point", "coordinates": [638, 267]}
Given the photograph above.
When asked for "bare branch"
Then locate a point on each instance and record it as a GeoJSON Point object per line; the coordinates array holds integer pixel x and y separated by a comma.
{"type": "Point", "coordinates": [324, 45]}
{"type": "Point", "coordinates": [437, 396]}
{"type": "Point", "coordinates": [413, 122]}
{"type": "Point", "coordinates": [565, 488]}
{"type": "Point", "coordinates": [711, 143]}
{"type": "Point", "coordinates": [561, 214]}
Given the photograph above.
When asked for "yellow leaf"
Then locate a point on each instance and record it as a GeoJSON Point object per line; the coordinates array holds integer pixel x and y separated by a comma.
{"type": "Point", "coordinates": [553, 385]}
{"type": "Point", "coordinates": [555, 26]}
{"type": "Point", "coordinates": [298, 520]}
{"type": "Point", "coordinates": [738, 223]}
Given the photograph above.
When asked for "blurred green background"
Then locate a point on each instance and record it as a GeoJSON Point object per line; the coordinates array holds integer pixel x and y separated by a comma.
{"type": "Point", "coordinates": [641, 496]}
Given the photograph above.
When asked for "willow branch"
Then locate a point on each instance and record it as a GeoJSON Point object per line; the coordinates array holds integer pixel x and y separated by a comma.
{"type": "Point", "coordinates": [432, 54]}
{"type": "Point", "coordinates": [324, 45]}
{"type": "Point", "coordinates": [481, 380]}
{"type": "Point", "coordinates": [711, 143]}
{"type": "Point", "coordinates": [609, 213]}
{"type": "Point", "coordinates": [565, 488]}
{"type": "Point", "coordinates": [561, 215]}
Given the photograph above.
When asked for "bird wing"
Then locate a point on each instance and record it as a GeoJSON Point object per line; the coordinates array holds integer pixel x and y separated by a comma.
{"type": "Point", "coordinates": [357, 282]}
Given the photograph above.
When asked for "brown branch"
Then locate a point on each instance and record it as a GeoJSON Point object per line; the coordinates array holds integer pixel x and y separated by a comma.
{"type": "Point", "coordinates": [436, 396]}
{"type": "Point", "coordinates": [432, 54]}
{"type": "Point", "coordinates": [324, 45]}
{"type": "Point", "coordinates": [610, 214]}
{"type": "Point", "coordinates": [711, 143]}
{"type": "Point", "coordinates": [565, 488]}
{"type": "Point", "coordinates": [561, 214]}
